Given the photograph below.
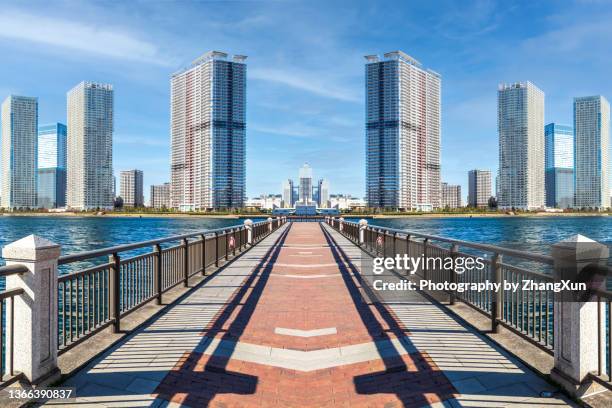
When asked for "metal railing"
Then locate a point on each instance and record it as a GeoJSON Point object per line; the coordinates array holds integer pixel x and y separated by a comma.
{"type": "Point", "coordinates": [530, 314]}
{"type": "Point", "coordinates": [94, 298]}
{"type": "Point", "coordinates": [7, 323]}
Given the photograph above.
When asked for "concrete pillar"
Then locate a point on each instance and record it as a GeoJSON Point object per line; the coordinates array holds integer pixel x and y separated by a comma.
{"type": "Point", "coordinates": [576, 322]}
{"type": "Point", "coordinates": [270, 224]}
{"type": "Point", "coordinates": [248, 224]}
{"type": "Point", "coordinates": [363, 224]}
{"type": "Point", "coordinates": [341, 227]}
{"type": "Point", "coordinates": [35, 343]}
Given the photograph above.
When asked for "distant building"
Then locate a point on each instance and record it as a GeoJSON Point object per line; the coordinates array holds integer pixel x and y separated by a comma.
{"type": "Point", "coordinates": [591, 158]}
{"type": "Point", "coordinates": [288, 194]}
{"type": "Point", "coordinates": [346, 202]}
{"type": "Point", "coordinates": [451, 195]}
{"type": "Point", "coordinates": [131, 188]}
{"type": "Point", "coordinates": [559, 165]}
{"type": "Point", "coordinates": [265, 202]}
{"type": "Point", "coordinates": [323, 193]}
{"type": "Point", "coordinates": [520, 122]}
{"type": "Point", "coordinates": [479, 188]}
{"type": "Point", "coordinates": [90, 146]}
{"type": "Point", "coordinates": [52, 165]}
{"type": "Point", "coordinates": [208, 133]}
{"type": "Point", "coordinates": [19, 152]}
{"type": "Point", "coordinates": [160, 196]}
{"type": "Point", "coordinates": [403, 109]}
{"type": "Point", "coordinates": [305, 186]}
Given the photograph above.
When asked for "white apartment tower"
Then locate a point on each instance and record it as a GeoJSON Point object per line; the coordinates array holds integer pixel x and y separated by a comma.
{"type": "Point", "coordinates": [90, 146]}
{"type": "Point", "coordinates": [208, 133]}
{"type": "Point", "coordinates": [520, 121]}
{"type": "Point", "coordinates": [160, 196]}
{"type": "Point", "coordinates": [19, 152]}
{"type": "Point", "coordinates": [403, 110]}
{"type": "Point", "coordinates": [131, 188]}
{"type": "Point", "coordinates": [479, 188]}
{"type": "Point", "coordinates": [591, 152]}
{"type": "Point", "coordinates": [450, 195]}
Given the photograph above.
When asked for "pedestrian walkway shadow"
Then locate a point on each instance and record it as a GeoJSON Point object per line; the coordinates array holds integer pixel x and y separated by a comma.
{"type": "Point", "coordinates": [198, 377]}
{"type": "Point", "coordinates": [480, 373]}
{"type": "Point", "coordinates": [412, 377]}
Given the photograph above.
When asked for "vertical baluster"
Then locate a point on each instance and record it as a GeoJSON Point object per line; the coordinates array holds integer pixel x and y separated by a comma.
{"type": "Point", "coordinates": [203, 254]}
{"type": "Point", "coordinates": [185, 262]}
{"type": "Point", "coordinates": [216, 249]}
{"type": "Point", "coordinates": [114, 298]}
{"type": "Point", "coordinates": [2, 347]}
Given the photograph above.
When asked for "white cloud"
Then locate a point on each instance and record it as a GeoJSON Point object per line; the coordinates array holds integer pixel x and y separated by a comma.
{"type": "Point", "coordinates": [306, 82]}
{"type": "Point", "coordinates": [103, 41]}
{"type": "Point", "coordinates": [284, 130]}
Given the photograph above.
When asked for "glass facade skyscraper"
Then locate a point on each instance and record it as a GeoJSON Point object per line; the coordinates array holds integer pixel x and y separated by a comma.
{"type": "Point", "coordinates": [559, 165]}
{"type": "Point", "coordinates": [52, 159]}
{"type": "Point", "coordinates": [19, 152]}
{"type": "Point", "coordinates": [591, 144]}
{"type": "Point", "coordinates": [479, 188]}
{"type": "Point", "coordinates": [208, 133]}
{"type": "Point", "coordinates": [402, 133]}
{"type": "Point", "coordinates": [90, 146]}
{"type": "Point", "coordinates": [520, 121]}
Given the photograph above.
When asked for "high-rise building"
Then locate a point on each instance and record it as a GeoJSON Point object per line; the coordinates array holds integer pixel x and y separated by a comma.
{"type": "Point", "coordinates": [479, 188]}
{"type": "Point", "coordinates": [131, 188]}
{"type": "Point", "coordinates": [403, 109]}
{"type": "Point", "coordinates": [52, 165]}
{"type": "Point", "coordinates": [591, 155]}
{"type": "Point", "coordinates": [559, 165]}
{"type": "Point", "coordinates": [288, 194]}
{"type": "Point", "coordinates": [323, 193]}
{"type": "Point", "coordinates": [450, 195]}
{"type": "Point", "coordinates": [520, 121]}
{"type": "Point", "coordinates": [90, 146]}
{"type": "Point", "coordinates": [305, 187]}
{"type": "Point", "coordinates": [208, 133]}
{"type": "Point", "coordinates": [19, 152]}
{"type": "Point", "coordinates": [160, 196]}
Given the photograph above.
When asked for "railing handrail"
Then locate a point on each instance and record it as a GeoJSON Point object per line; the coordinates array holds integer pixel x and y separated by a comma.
{"type": "Point", "coordinates": [532, 256]}
{"type": "Point", "coordinates": [96, 253]}
{"type": "Point", "coordinates": [7, 270]}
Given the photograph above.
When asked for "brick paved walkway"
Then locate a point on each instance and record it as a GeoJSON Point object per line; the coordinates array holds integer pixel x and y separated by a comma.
{"type": "Point", "coordinates": [290, 324]}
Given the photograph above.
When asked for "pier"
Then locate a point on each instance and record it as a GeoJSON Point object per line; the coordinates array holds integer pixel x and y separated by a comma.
{"type": "Point", "coordinates": [283, 314]}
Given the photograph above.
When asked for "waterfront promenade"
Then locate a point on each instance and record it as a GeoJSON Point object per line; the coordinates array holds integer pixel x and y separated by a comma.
{"type": "Point", "coordinates": [288, 323]}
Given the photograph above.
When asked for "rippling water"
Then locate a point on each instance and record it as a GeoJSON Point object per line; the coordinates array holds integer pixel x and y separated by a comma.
{"type": "Point", "coordinates": [76, 234]}
{"type": "Point", "coordinates": [526, 233]}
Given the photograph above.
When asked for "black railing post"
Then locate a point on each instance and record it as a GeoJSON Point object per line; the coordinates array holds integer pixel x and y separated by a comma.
{"type": "Point", "coordinates": [497, 300]}
{"type": "Point", "coordinates": [203, 255]}
{"type": "Point", "coordinates": [186, 263]}
{"type": "Point", "coordinates": [394, 241]}
{"type": "Point", "coordinates": [453, 275]}
{"type": "Point", "coordinates": [157, 278]}
{"type": "Point", "coordinates": [114, 291]}
{"type": "Point", "coordinates": [227, 236]}
{"type": "Point", "coordinates": [216, 249]}
{"type": "Point", "coordinates": [425, 271]}
{"type": "Point", "coordinates": [235, 242]}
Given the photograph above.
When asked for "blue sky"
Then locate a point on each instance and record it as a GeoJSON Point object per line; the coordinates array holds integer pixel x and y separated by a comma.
{"type": "Point", "coordinates": [305, 71]}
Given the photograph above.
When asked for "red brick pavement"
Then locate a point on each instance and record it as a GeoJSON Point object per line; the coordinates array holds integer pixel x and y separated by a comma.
{"type": "Point", "coordinates": [273, 300]}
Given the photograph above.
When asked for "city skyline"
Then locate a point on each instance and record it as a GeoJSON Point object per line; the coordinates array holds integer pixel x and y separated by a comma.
{"type": "Point", "coordinates": [307, 93]}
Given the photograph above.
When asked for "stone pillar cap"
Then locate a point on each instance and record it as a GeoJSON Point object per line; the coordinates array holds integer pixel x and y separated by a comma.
{"type": "Point", "coordinates": [363, 222]}
{"type": "Point", "coordinates": [31, 248]}
{"type": "Point", "coordinates": [248, 222]}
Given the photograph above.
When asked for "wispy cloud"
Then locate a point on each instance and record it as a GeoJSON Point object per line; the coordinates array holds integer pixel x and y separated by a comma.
{"type": "Point", "coordinates": [140, 140]}
{"type": "Point", "coordinates": [283, 130]}
{"type": "Point", "coordinates": [306, 82]}
{"type": "Point", "coordinates": [68, 34]}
